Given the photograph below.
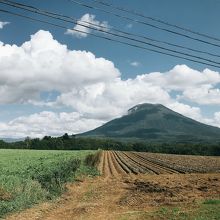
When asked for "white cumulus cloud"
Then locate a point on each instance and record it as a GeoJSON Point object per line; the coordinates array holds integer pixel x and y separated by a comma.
{"type": "Point", "coordinates": [182, 77]}
{"type": "Point", "coordinates": [217, 118]}
{"type": "Point", "coordinates": [85, 26]}
{"type": "Point", "coordinates": [47, 123]}
{"type": "Point", "coordinates": [112, 99]}
{"type": "Point", "coordinates": [43, 64]}
{"type": "Point", "coordinates": [204, 94]}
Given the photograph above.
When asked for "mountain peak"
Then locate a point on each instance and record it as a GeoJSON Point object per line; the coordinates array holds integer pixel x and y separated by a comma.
{"type": "Point", "coordinates": [155, 122]}
{"type": "Point", "coordinates": [144, 106]}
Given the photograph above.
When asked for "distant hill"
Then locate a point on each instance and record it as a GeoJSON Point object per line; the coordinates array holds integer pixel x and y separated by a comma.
{"type": "Point", "coordinates": [155, 122]}
{"type": "Point", "coordinates": [11, 140]}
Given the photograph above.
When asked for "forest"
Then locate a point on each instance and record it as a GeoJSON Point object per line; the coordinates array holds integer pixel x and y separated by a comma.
{"type": "Point", "coordinates": [72, 142]}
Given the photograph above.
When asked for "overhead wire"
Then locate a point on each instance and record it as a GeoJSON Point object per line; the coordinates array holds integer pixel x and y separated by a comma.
{"type": "Point", "coordinates": [106, 38]}
{"type": "Point", "coordinates": [136, 13]}
{"type": "Point", "coordinates": [122, 32]}
{"type": "Point", "coordinates": [54, 15]}
{"type": "Point", "coordinates": [143, 22]}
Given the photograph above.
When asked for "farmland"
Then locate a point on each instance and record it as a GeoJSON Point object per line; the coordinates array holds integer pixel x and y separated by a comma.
{"type": "Point", "coordinates": [119, 163]}
{"type": "Point", "coordinates": [28, 177]}
{"type": "Point", "coordinates": [136, 185]}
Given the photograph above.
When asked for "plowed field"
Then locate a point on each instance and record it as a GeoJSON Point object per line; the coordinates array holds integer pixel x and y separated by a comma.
{"type": "Point", "coordinates": [119, 163]}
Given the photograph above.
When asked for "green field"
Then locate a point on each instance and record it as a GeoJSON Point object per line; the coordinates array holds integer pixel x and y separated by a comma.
{"type": "Point", "coordinates": [29, 177]}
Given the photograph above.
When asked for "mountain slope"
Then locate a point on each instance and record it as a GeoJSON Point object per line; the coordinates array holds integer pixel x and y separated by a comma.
{"type": "Point", "coordinates": [149, 121]}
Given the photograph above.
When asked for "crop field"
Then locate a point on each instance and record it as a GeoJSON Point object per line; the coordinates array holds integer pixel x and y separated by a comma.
{"type": "Point", "coordinates": [136, 185]}
{"type": "Point", "coordinates": [28, 176]}
{"type": "Point", "coordinates": [117, 163]}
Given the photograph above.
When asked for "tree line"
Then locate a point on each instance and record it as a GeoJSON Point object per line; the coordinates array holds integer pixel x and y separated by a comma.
{"type": "Point", "coordinates": [67, 142]}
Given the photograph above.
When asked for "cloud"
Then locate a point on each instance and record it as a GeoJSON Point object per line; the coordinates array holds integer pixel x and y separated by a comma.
{"type": "Point", "coordinates": [217, 118]}
{"type": "Point", "coordinates": [91, 87]}
{"type": "Point", "coordinates": [135, 64]}
{"type": "Point", "coordinates": [108, 101]}
{"type": "Point", "coordinates": [3, 23]}
{"type": "Point", "coordinates": [189, 111]}
{"type": "Point", "coordinates": [112, 99]}
{"type": "Point", "coordinates": [85, 23]}
{"type": "Point", "coordinates": [205, 94]}
{"type": "Point", "coordinates": [194, 86]}
{"type": "Point", "coordinates": [47, 123]}
{"type": "Point", "coordinates": [181, 78]}
{"type": "Point", "coordinates": [43, 64]}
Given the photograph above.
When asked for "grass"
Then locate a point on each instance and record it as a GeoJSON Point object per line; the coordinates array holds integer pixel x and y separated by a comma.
{"type": "Point", "coordinates": [28, 177]}
{"type": "Point", "coordinates": [200, 212]}
{"type": "Point", "coordinates": [212, 202]}
{"type": "Point", "coordinates": [207, 210]}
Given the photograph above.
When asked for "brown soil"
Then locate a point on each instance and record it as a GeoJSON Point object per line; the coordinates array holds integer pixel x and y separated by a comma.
{"type": "Point", "coordinates": [171, 189]}
{"type": "Point", "coordinates": [111, 198]}
{"type": "Point", "coordinates": [119, 163]}
{"type": "Point", "coordinates": [186, 163]}
{"type": "Point", "coordinates": [128, 184]}
{"type": "Point", "coordinates": [5, 196]}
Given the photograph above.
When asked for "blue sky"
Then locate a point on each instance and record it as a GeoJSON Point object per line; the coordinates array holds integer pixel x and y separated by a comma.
{"type": "Point", "coordinates": [73, 98]}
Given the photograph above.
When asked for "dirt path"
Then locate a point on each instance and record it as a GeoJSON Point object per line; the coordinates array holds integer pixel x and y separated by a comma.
{"type": "Point", "coordinates": [91, 199]}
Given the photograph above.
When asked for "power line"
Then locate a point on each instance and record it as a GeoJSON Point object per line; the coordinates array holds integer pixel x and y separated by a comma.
{"type": "Point", "coordinates": [127, 33]}
{"type": "Point", "coordinates": [133, 12]}
{"type": "Point", "coordinates": [106, 38]}
{"type": "Point", "coordinates": [11, 3]}
{"type": "Point", "coordinates": [143, 23]}
{"type": "Point", "coordinates": [48, 14]}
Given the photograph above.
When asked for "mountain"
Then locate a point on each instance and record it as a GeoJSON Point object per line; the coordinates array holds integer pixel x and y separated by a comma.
{"type": "Point", "coordinates": [155, 122]}
{"type": "Point", "coordinates": [11, 140]}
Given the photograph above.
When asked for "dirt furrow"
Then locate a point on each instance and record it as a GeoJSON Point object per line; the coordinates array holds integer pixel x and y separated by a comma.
{"type": "Point", "coordinates": [122, 165]}
{"type": "Point", "coordinates": [116, 163]}
{"type": "Point", "coordinates": [125, 163]}
{"type": "Point", "coordinates": [112, 167]}
{"type": "Point", "coordinates": [107, 169]}
{"type": "Point", "coordinates": [134, 164]}
{"type": "Point", "coordinates": [158, 169]}
{"type": "Point", "coordinates": [163, 165]}
{"type": "Point", "coordinates": [146, 167]}
{"type": "Point", "coordinates": [118, 168]}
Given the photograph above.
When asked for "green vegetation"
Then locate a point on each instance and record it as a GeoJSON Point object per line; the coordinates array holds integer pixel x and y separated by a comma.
{"type": "Point", "coordinates": [28, 177]}
{"type": "Point", "coordinates": [202, 211]}
{"type": "Point", "coordinates": [212, 202]}
{"type": "Point", "coordinates": [67, 142]}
